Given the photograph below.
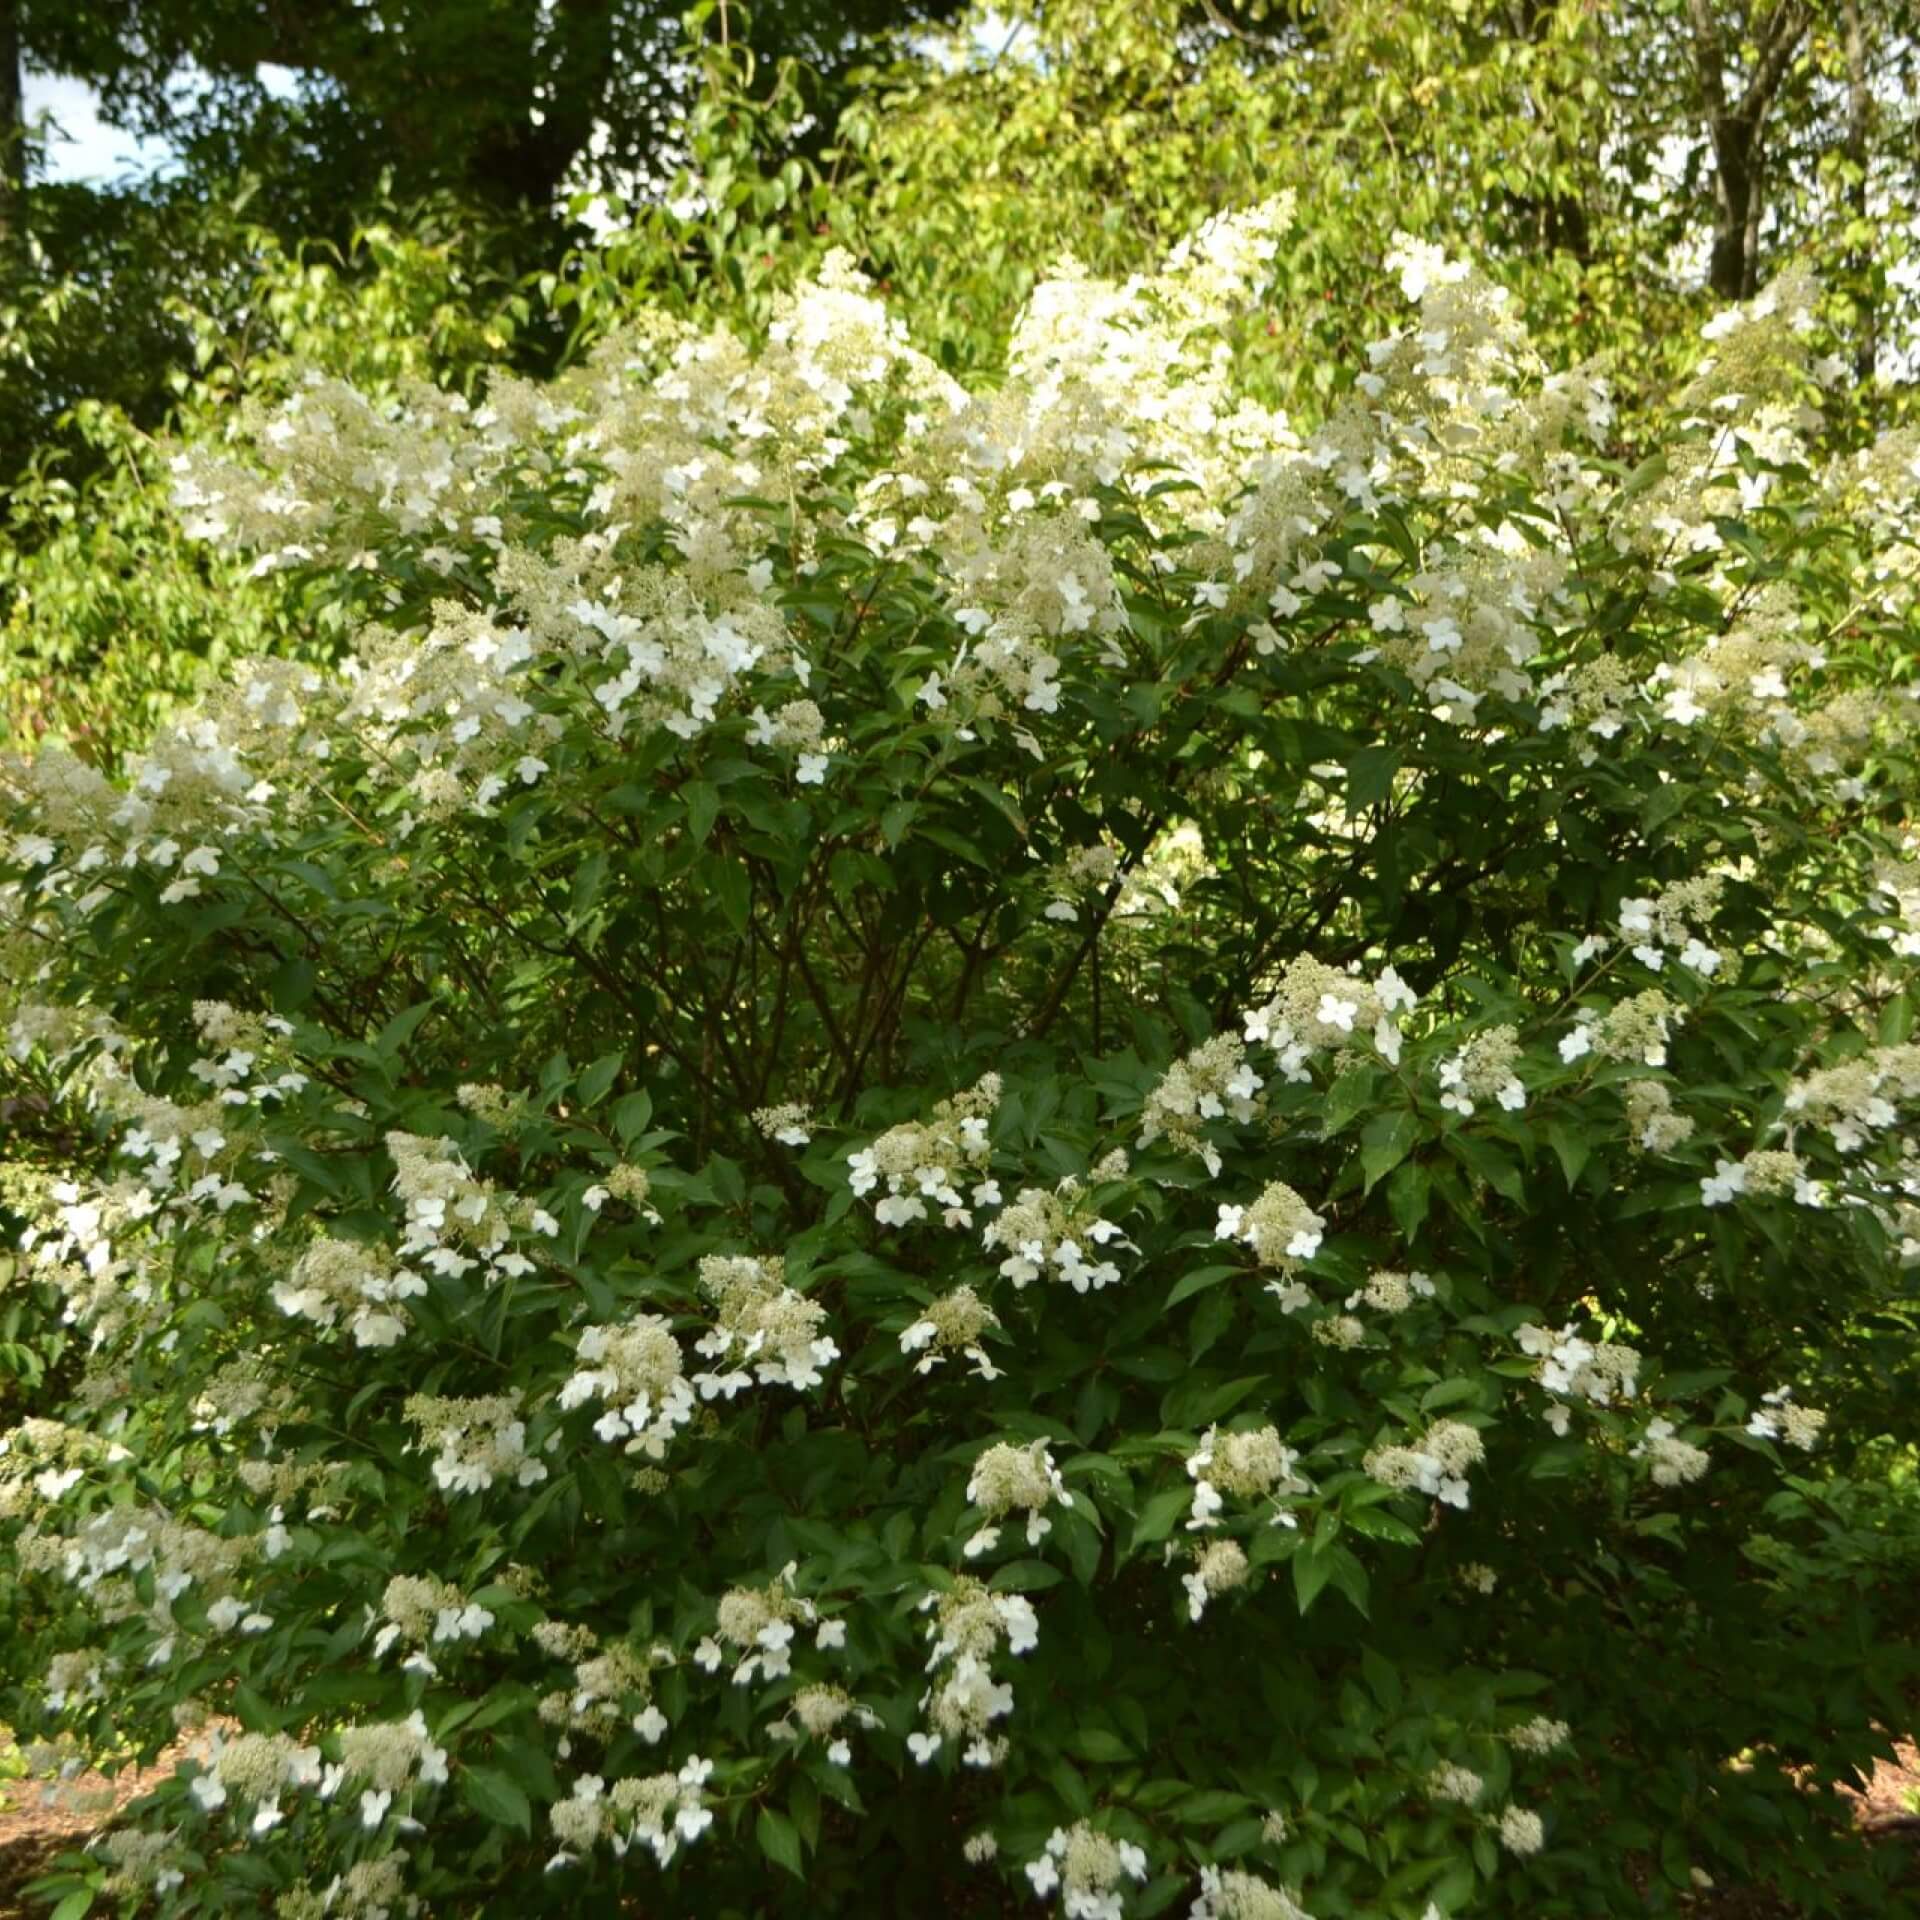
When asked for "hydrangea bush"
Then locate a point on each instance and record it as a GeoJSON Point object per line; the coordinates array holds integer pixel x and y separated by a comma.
{"type": "Point", "coordinates": [1022, 1148]}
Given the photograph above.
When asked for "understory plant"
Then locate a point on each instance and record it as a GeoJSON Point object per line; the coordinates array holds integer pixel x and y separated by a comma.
{"type": "Point", "coordinates": [1023, 1149]}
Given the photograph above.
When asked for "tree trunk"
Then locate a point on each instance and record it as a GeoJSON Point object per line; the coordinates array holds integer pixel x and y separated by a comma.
{"type": "Point", "coordinates": [13, 137]}
{"type": "Point", "coordinates": [1738, 128]}
{"type": "Point", "coordinates": [1866, 349]}
{"type": "Point", "coordinates": [1736, 214]}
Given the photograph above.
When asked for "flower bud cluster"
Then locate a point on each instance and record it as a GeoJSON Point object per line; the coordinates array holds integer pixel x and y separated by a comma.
{"type": "Point", "coordinates": [1254, 1464]}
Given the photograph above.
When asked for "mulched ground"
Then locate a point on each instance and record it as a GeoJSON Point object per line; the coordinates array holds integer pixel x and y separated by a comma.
{"type": "Point", "coordinates": [38, 1821]}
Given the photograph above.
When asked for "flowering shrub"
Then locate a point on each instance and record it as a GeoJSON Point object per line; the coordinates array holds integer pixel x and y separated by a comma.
{"type": "Point", "coordinates": [1012, 1145]}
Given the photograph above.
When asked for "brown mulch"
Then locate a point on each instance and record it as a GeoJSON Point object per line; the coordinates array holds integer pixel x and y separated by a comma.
{"type": "Point", "coordinates": [41, 1818]}
{"type": "Point", "coordinates": [1891, 1803]}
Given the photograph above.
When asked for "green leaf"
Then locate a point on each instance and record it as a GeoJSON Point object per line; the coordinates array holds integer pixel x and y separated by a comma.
{"type": "Point", "coordinates": [400, 1029]}
{"type": "Point", "coordinates": [1197, 1282]}
{"type": "Point", "coordinates": [1156, 1518]}
{"type": "Point", "coordinates": [1312, 1569]}
{"type": "Point", "coordinates": [1407, 1195]}
{"type": "Point", "coordinates": [1097, 1744]}
{"type": "Point", "coordinates": [599, 1077]}
{"type": "Point", "coordinates": [1385, 1141]}
{"type": "Point", "coordinates": [1486, 1160]}
{"type": "Point", "coordinates": [1370, 776]}
{"type": "Point", "coordinates": [733, 890]}
{"type": "Point", "coordinates": [1347, 1097]}
{"type": "Point", "coordinates": [1574, 1152]}
{"type": "Point", "coordinates": [703, 809]}
{"type": "Point", "coordinates": [631, 1114]}
{"type": "Point", "coordinates": [494, 1797]}
{"type": "Point", "coordinates": [780, 1841]}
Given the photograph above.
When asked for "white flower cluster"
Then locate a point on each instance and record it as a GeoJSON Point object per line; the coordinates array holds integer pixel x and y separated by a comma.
{"type": "Point", "coordinates": [926, 1160]}
{"type": "Point", "coordinates": [1009, 1479]}
{"type": "Point", "coordinates": [476, 1441]}
{"type": "Point", "coordinates": [818, 1712]}
{"type": "Point", "coordinates": [1673, 1462]}
{"type": "Point", "coordinates": [1080, 873]}
{"type": "Point", "coordinates": [1652, 1124]}
{"type": "Point", "coordinates": [1600, 1373]}
{"type": "Point", "coordinates": [1438, 1466]}
{"type": "Point", "coordinates": [336, 1278]}
{"type": "Point", "coordinates": [790, 1123]}
{"type": "Point", "coordinates": [1860, 1097]}
{"type": "Point", "coordinates": [661, 1812]}
{"type": "Point", "coordinates": [607, 1679]}
{"type": "Point", "coordinates": [635, 1367]}
{"type": "Point", "coordinates": [1636, 1029]}
{"type": "Point", "coordinates": [1280, 1227]}
{"type": "Point", "coordinates": [1039, 1230]}
{"type": "Point", "coordinates": [761, 1624]}
{"type": "Point", "coordinates": [954, 1323]}
{"type": "Point", "coordinates": [1391, 1292]}
{"type": "Point", "coordinates": [1780, 1417]}
{"type": "Point", "coordinates": [255, 1768]}
{"type": "Point", "coordinates": [1672, 921]}
{"type": "Point", "coordinates": [1227, 1894]}
{"type": "Point", "coordinates": [1763, 1172]}
{"type": "Point", "coordinates": [132, 1563]}
{"type": "Point", "coordinates": [1218, 1567]}
{"type": "Point", "coordinates": [1088, 1868]}
{"type": "Point", "coordinates": [1253, 1464]}
{"type": "Point", "coordinates": [422, 1610]}
{"type": "Point", "coordinates": [389, 1758]}
{"type": "Point", "coordinates": [1450, 1781]}
{"type": "Point", "coordinates": [971, 1624]}
{"type": "Point", "coordinates": [1539, 1735]}
{"type": "Point", "coordinates": [1214, 1082]}
{"type": "Point", "coordinates": [762, 1322]}
{"type": "Point", "coordinates": [1484, 1069]}
{"type": "Point", "coordinates": [448, 1210]}
{"type": "Point", "coordinates": [1317, 1009]}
